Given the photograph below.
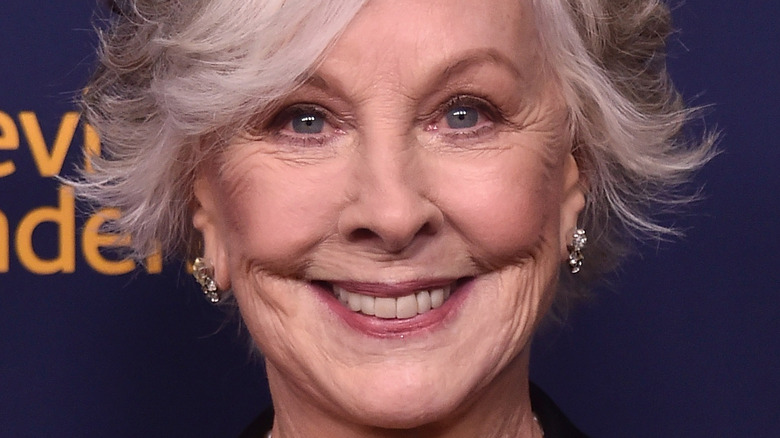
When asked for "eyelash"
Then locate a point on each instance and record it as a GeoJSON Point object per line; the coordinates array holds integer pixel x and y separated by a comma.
{"type": "Point", "coordinates": [278, 125]}
{"type": "Point", "coordinates": [485, 108]}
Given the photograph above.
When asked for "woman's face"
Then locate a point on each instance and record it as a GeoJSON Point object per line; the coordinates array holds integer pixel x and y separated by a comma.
{"type": "Point", "coordinates": [423, 174]}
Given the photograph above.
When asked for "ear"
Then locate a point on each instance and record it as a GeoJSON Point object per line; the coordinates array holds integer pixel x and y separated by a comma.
{"type": "Point", "coordinates": [205, 218]}
{"type": "Point", "coordinates": [573, 201]}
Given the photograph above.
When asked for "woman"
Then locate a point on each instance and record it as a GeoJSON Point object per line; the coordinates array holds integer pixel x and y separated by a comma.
{"type": "Point", "coordinates": [394, 192]}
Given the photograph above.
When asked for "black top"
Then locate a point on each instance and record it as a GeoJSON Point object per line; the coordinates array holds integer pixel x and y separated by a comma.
{"type": "Point", "coordinates": [552, 420]}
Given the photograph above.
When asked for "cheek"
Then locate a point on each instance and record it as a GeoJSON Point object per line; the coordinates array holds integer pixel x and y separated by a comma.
{"type": "Point", "coordinates": [274, 212]}
{"type": "Point", "coordinates": [505, 205]}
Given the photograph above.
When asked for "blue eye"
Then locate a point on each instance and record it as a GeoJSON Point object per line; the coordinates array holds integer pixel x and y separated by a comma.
{"type": "Point", "coordinates": [308, 123]}
{"type": "Point", "coordinates": [462, 117]}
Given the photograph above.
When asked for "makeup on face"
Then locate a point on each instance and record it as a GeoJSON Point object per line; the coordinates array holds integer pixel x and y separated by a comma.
{"type": "Point", "coordinates": [399, 214]}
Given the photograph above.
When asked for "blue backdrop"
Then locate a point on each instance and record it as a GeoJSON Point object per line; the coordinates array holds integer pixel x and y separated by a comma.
{"type": "Point", "coordinates": [683, 344]}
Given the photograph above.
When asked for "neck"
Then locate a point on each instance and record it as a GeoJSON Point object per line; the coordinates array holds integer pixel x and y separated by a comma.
{"type": "Point", "coordinates": [502, 409]}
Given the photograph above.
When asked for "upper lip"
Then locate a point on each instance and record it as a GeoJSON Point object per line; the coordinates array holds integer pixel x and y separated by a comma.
{"type": "Point", "coordinates": [398, 289]}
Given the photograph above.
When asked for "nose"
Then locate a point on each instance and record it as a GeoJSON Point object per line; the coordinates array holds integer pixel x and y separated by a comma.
{"type": "Point", "coordinates": [390, 208]}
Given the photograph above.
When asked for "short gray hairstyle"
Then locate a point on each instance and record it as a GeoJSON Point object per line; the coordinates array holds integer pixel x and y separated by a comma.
{"type": "Point", "coordinates": [176, 79]}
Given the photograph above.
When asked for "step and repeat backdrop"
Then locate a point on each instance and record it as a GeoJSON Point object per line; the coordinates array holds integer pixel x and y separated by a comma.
{"type": "Point", "coordinates": [683, 343]}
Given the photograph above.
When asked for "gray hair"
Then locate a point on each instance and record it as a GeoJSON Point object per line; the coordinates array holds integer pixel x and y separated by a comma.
{"type": "Point", "coordinates": [627, 121]}
{"type": "Point", "coordinates": [175, 81]}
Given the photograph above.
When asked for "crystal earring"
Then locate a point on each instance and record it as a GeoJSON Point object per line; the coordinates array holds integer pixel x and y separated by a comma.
{"type": "Point", "coordinates": [578, 241]}
{"type": "Point", "coordinates": [204, 275]}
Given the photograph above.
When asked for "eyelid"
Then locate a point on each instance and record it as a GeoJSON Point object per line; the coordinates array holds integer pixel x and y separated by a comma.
{"type": "Point", "coordinates": [486, 109]}
{"type": "Point", "coordinates": [273, 122]}
{"type": "Point", "coordinates": [280, 119]}
{"type": "Point", "coordinates": [482, 104]}
{"type": "Point", "coordinates": [278, 130]}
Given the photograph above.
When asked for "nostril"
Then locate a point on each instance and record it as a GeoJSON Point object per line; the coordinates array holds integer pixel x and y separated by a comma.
{"type": "Point", "coordinates": [389, 221]}
{"type": "Point", "coordinates": [391, 241]}
{"type": "Point", "coordinates": [362, 234]}
{"type": "Point", "coordinates": [427, 228]}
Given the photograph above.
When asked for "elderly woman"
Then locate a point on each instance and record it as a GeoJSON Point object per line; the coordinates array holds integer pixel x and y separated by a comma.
{"type": "Point", "coordinates": [394, 192]}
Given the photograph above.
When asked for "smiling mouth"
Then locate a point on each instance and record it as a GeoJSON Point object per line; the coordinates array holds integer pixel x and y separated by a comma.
{"type": "Point", "coordinates": [416, 301]}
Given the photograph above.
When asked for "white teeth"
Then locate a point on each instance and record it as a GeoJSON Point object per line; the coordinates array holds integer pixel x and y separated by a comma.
{"type": "Point", "coordinates": [406, 307]}
{"type": "Point", "coordinates": [437, 298]}
{"type": "Point", "coordinates": [385, 307]}
{"type": "Point", "coordinates": [354, 302]}
{"type": "Point", "coordinates": [423, 301]}
{"type": "Point", "coordinates": [367, 304]}
{"type": "Point", "coordinates": [403, 307]}
{"type": "Point", "coordinates": [343, 296]}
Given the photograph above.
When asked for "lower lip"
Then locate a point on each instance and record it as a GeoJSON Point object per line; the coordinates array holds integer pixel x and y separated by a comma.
{"type": "Point", "coordinates": [397, 328]}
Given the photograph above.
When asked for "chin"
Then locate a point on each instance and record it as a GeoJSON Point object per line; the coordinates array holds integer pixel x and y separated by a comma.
{"type": "Point", "coordinates": [406, 411]}
{"type": "Point", "coordinates": [406, 396]}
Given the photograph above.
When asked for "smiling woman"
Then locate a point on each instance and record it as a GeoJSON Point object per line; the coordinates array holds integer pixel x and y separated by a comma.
{"type": "Point", "coordinates": [391, 190]}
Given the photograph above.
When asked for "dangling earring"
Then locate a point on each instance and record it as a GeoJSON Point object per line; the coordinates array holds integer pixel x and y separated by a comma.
{"type": "Point", "coordinates": [578, 241]}
{"type": "Point", "coordinates": [204, 275]}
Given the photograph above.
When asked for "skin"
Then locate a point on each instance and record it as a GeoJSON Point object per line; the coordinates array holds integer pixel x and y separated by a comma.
{"type": "Point", "coordinates": [388, 191]}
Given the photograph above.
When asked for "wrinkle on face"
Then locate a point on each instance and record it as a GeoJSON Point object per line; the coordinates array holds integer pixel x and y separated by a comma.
{"type": "Point", "coordinates": [500, 199]}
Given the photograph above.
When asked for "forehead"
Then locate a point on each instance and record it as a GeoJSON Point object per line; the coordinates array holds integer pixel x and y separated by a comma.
{"type": "Point", "coordinates": [407, 38]}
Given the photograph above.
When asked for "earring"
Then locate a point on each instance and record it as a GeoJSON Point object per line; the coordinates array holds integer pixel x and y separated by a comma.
{"type": "Point", "coordinates": [204, 275]}
{"type": "Point", "coordinates": [578, 241]}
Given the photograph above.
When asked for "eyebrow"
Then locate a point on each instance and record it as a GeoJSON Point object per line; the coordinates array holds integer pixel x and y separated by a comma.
{"type": "Point", "coordinates": [448, 68]}
{"type": "Point", "coordinates": [474, 58]}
